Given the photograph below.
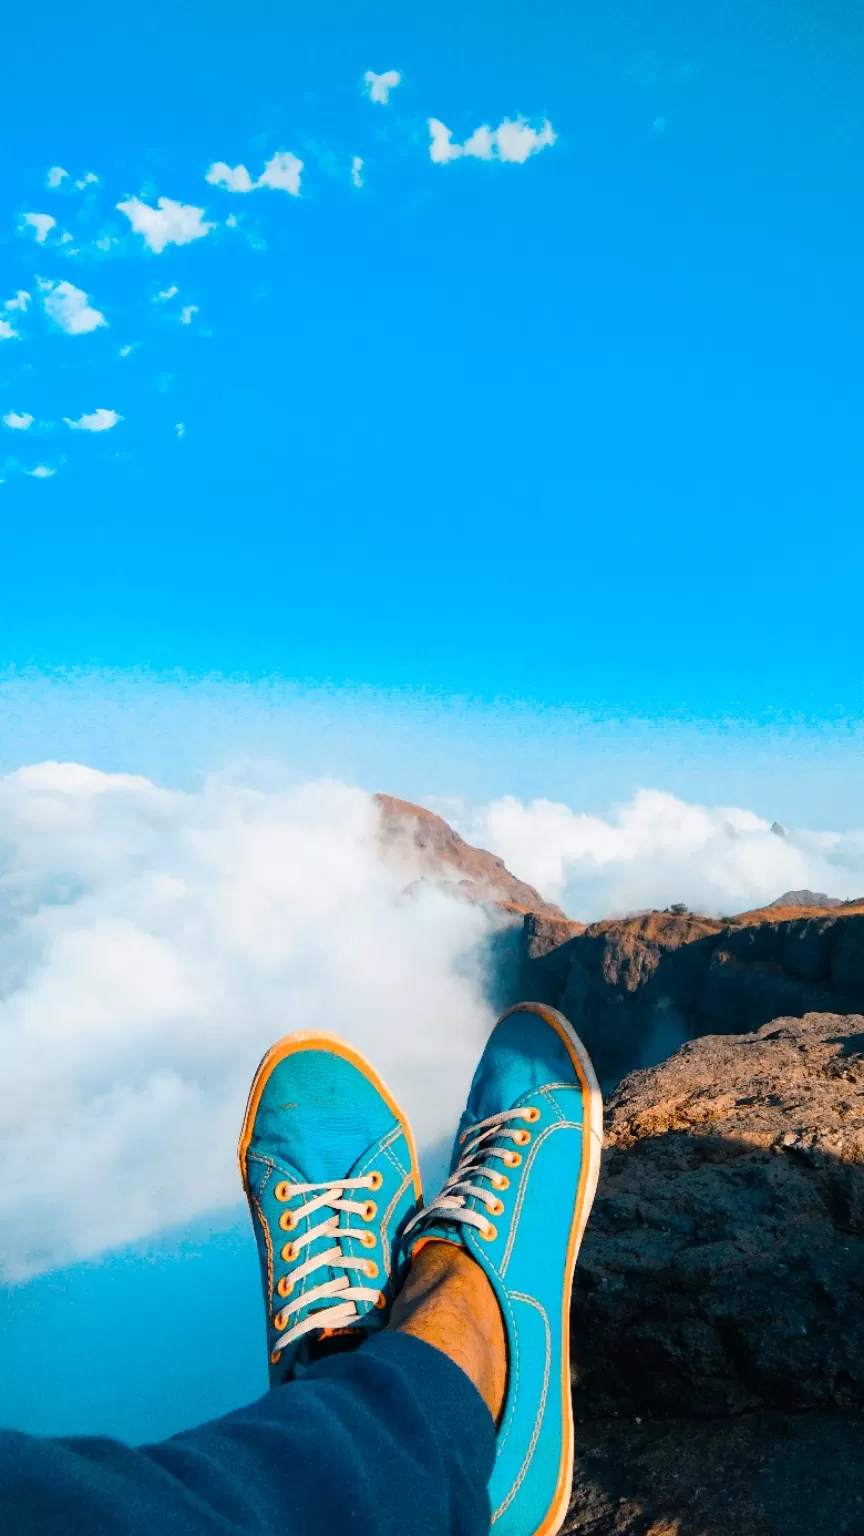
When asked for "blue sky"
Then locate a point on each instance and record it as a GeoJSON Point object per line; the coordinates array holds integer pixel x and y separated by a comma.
{"type": "Point", "coordinates": [536, 476]}
{"type": "Point", "coordinates": [583, 430]}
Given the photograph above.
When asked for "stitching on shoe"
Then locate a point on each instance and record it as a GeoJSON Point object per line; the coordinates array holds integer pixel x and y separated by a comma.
{"type": "Point", "coordinates": [513, 1361]}
{"type": "Point", "coordinates": [386, 1220]}
{"type": "Point", "coordinates": [560, 1125]}
{"type": "Point", "coordinates": [531, 1302]}
{"type": "Point", "coordinates": [265, 1226]}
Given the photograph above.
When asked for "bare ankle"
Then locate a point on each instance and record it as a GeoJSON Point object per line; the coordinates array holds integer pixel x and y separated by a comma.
{"type": "Point", "coordinates": [448, 1302]}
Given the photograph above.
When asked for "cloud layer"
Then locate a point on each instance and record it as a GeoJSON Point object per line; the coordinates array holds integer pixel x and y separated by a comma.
{"type": "Point", "coordinates": [657, 849]}
{"type": "Point", "coordinates": [153, 944]}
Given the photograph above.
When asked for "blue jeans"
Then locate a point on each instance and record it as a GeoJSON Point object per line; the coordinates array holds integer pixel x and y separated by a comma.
{"type": "Point", "coordinates": [390, 1439]}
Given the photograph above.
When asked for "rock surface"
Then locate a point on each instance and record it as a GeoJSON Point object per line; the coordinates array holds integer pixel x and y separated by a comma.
{"type": "Point", "coordinates": [723, 1268]}
{"type": "Point", "coordinates": [428, 848]}
{"type": "Point", "coordinates": [718, 1313]}
{"type": "Point", "coordinates": [636, 988]}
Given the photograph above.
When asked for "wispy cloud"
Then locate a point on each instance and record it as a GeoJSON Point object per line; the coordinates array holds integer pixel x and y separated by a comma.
{"type": "Point", "coordinates": [16, 422]}
{"type": "Point", "coordinates": [69, 307]}
{"type": "Point", "coordinates": [55, 176]}
{"type": "Point", "coordinates": [514, 141]}
{"type": "Point", "coordinates": [180, 429]}
{"type": "Point", "coordinates": [41, 472]}
{"type": "Point", "coordinates": [99, 420]}
{"type": "Point", "coordinates": [233, 178]}
{"type": "Point", "coordinates": [187, 312]}
{"type": "Point", "coordinates": [89, 180]}
{"type": "Point", "coordinates": [357, 171]}
{"type": "Point", "coordinates": [281, 174]}
{"type": "Point", "coordinates": [20, 301]}
{"type": "Point", "coordinates": [167, 293]}
{"type": "Point", "coordinates": [7, 331]}
{"type": "Point", "coordinates": [378, 87]}
{"type": "Point", "coordinates": [40, 223]}
{"type": "Point", "coordinates": [169, 223]}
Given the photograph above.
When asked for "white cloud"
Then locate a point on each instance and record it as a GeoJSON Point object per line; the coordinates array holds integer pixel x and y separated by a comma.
{"type": "Point", "coordinates": [130, 347]}
{"type": "Point", "coordinates": [55, 176]}
{"type": "Point", "coordinates": [167, 293]}
{"type": "Point", "coordinates": [16, 422]}
{"type": "Point", "coordinates": [657, 849]}
{"type": "Point", "coordinates": [180, 429]}
{"type": "Point", "coordinates": [99, 420]}
{"type": "Point", "coordinates": [154, 944]}
{"type": "Point", "coordinates": [20, 301]}
{"type": "Point", "coordinates": [87, 181]}
{"type": "Point", "coordinates": [357, 171]}
{"type": "Point", "coordinates": [281, 173]}
{"type": "Point", "coordinates": [42, 472]}
{"type": "Point", "coordinates": [170, 223]}
{"type": "Point", "coordinates": [378, 87]}
{"type": "Point", "coordinates": [70, 308]}
{"type": "Point", "coordinates": [7, 331]}
{"type": "Point", "coordinates": [513, 141]}
{"type": "Point", "coordinates": [233, 179]}
{"type": "Point", "coordinates": [40, 223]}
{"type": "Point", "coordinates": [187, 312]}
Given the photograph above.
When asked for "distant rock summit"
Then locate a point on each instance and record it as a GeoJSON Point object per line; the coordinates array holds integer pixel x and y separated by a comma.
{"type": "Point", "coordinates": [718, 1312]}
{"type": "Point", "coordinates": [428, 846]}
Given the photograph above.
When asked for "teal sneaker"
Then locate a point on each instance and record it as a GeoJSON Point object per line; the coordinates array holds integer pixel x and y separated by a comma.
{"type": "Point", "coordinates": [523, 1176]}
{"type": "Point", "coordinates": [330, 1171]}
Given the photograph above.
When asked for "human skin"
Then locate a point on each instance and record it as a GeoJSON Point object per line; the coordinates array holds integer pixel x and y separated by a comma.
{"type": "Point", "coordinates": [448, 1302]}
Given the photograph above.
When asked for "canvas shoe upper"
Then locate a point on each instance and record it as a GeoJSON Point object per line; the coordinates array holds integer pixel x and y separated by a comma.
{"type": "Point", "coordinates": [330, 1172]}
{"type": "Point", "coordinates": [523, 1176]}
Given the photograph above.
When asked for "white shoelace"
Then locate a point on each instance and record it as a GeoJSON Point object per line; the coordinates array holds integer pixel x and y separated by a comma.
{"type": "Point", "coordinates": [328, 1195]}
{"type": "Point", "coordinates": [474, 1164]}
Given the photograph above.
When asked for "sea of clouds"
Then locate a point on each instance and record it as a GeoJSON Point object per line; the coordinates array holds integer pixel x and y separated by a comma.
{"type": "Point", "coordinates": [154, 942]}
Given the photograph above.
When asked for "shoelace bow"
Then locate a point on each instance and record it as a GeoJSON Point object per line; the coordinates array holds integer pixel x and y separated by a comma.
{"type": "Point", "coordinates": [343, 1311]}
{"type": "Point", "coordinates": [452, 1203]}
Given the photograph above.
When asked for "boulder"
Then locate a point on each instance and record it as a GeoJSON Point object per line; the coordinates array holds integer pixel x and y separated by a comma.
{"type": "Point", "coordinates": [723, 1266]}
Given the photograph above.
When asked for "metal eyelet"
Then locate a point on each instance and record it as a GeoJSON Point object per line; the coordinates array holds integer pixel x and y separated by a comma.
{"type": "Point", "coordinates": [490, 1233]}
{"type": "Point", "coordinates": [513, 1159]}
{"type": "Point", "coordinates": [380, 1301]}
{"type": "Point", "coordinates": [290, 1252]}
{"type": "Point", "coordinates": [276, 1357]}
{"type": "Point", "coordinates": [500, 1181]}
{"type": "Point", "coordinates": [495, 1208]}
{"type": "Point", "coordinates": [376, 1179]}
{"type": "Point", "coordinates": [532, 1114]}
{"type": "Point", "coordinates": [368, 1239]}
{"type": "Point", "coordinates": [288, 1221]}
{"type": "Point", "coordinates": [370, 1269]}
{"type": "Point", "coordinates": [521, 1138]}
{"type": "Point", "coordinates": [283, 1191]}
{"type": "Point", "coordinates": [284, 1287]}
{"type": "Point", "coordinates": [280, 1321]}
{"type": "Point", "coordinates": [369, 1211]}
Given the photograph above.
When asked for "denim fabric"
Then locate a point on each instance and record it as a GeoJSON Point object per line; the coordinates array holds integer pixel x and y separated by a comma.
{"type": "Point", "coordinates": [389, 1439]}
